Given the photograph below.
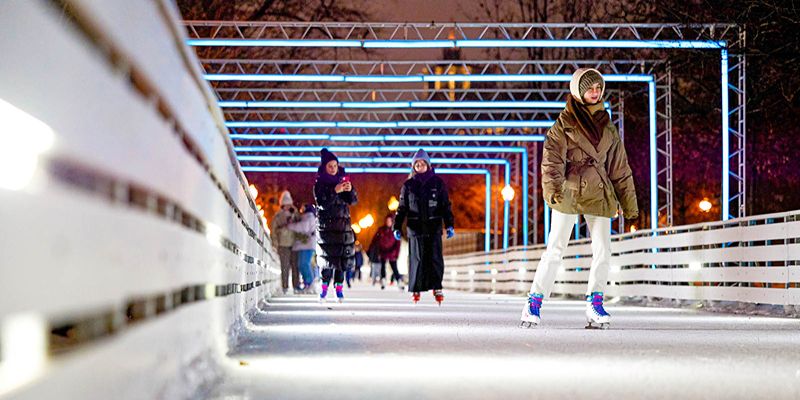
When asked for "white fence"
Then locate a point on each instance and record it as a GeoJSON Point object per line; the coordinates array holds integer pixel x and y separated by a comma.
{"type": "Point", "coordinates": [750, 260]}
{"type": "Point", "coordinates": [130, 249]}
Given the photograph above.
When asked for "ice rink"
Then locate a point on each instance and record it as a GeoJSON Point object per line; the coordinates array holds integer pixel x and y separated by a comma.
{"type": "Point", "coordinates": [378, 345]}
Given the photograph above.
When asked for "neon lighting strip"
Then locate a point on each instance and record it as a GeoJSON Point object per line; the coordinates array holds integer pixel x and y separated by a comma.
{"type": "Point", "coordinates": [415, 78]}
{"type": "Point", "coordinates": [442, 149]}
{"type": "Point", "coordinates": [396, 104]}
{"type": "Point", "coordinates": [726, 195]}
{"type": "Point", "coordinates": [487, 175]}
{"type": "Point", "coordinates": [390, 124]}
{"type": "Point", "coordinates": [402, 160]}
{"type": "Point", "coordinates": [653, 157]}
{"type": "Point", "coordinates": [473, 43]}
{"type": "Point", "coordinates": [389, 138]}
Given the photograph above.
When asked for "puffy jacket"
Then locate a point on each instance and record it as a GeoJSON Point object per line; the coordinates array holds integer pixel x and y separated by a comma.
{"type": "Point", "coordinates": [336, 238]}
{"type": "Point", "coordinates": [281, 236]}
{"type": "Point", "coordinates": [426, 205]}
{"type": "Point", "coordinates": [592, 181]}
{"type": "Point", "coordinates": [305, 232]}
{"type": "Point", "coordinates": [388, 246]}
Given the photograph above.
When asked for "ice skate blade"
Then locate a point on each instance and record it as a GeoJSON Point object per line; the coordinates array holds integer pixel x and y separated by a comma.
{"type": "Point", "coordinates": [593, 325]}
{"type": "Point", "coordinates": [528, 325]}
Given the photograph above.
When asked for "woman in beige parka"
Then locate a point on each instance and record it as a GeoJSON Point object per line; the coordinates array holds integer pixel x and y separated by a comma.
{"type": "Point", "coordinates": [585, 172]}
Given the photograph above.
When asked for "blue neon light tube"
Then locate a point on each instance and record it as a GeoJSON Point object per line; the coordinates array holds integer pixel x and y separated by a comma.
{"type": "Point", "coordinates": [356, 170]}
{"type": "Point", "coordinates": [415, 78]}
{"type": "Point", "coordinates": [474, 43]}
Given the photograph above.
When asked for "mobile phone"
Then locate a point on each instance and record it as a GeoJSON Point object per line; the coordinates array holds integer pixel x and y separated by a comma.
{"type": "Point", "coordinates": [345, 179]}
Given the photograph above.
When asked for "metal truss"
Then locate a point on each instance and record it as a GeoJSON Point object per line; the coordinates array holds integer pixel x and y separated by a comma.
{"type": "Point", "coordinates": [664, 175]}
{"type": "Point", "coordinates": [722, 37]}
{"type": "Point", "coordinates": [737, 138]}
{"type": "Point", "coordinates": [397, 31]}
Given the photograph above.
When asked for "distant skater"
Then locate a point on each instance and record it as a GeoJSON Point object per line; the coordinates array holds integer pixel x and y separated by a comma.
{"type": "Point", "coordinates": [585, 172]}
{"type": "Point", "coordinates": [425, 205]}
{"type": "Point", "coordinates": [334, 194]}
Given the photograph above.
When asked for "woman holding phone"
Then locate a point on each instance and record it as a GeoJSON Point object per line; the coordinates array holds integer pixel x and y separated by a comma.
{"type": "Point", "coordinates": [334, 194]}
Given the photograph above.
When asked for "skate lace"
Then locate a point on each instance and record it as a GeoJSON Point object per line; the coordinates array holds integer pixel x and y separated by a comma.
{"type": "Point", "coordinates": [597, 304]}
{"type": "Point", "coordinates": [535, 303]}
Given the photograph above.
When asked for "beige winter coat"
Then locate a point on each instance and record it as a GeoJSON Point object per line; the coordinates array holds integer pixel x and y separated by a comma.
{"type": "Point", "coordinates": [586, 180]}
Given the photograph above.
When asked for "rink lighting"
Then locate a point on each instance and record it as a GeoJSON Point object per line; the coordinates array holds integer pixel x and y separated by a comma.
{"type": "Point", "coordinates": [395, 104]}
{"type": "Point", "coordinates": [214, 234]}
{"type": "Point", "coordinates": [23, 341]}
{"type": "Point", "coordinates": [471, 43]}
{"type": "Point", "coordinates": [357, 160]}
{"type": "Point", "coordinates": [448, 149]}
{"type": "Point", "coordinates": [390, 124]}
{"type": "Point", "coordinates": [367, 221]}
{"type": "Point", "coordinates": [272, 43]}
{"type": "Point", "coordinates": [377, 149]}
{"type": "Point", "coordinates": [393, 204]}
{"type": "Point", "coordinates": [356, 228]}
{"type": "Point", "coordinates": [540, 43]}
{"type": "Point", "coordinates": [507, 193]}
{"type": "Point", "coordinates": [408, 44]}
{"type": "Point", "coordinates": [608, 44]}
{"type": "Point", "coordinates": [725, 141]}
{"type": "Point", "coordinates": [23, 140]}
{"type": "Point", "coordinates": [653, 157]}
{"type": "Point", "coordinates": [390, 138]}
{"type": "Point", "coordinates": [272, 78]}
{"type": "Point", "coordinates": [253, 191]}
{"type": "Point", "coordinates": [415, 78]}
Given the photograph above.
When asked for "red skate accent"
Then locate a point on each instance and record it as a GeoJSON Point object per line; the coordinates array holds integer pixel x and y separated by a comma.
{"type": "Point", "coordinates": [415, 297]}
{"type": "Point", "coordinates": [438, 296]}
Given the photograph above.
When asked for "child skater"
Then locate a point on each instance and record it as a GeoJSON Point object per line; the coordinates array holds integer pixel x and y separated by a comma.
{"type": "Point", "coordinates": [334, 194]}
{"type": "Point", "coordinates": [425, 204]}
{"type": "Point", "coordinates": [585, 172]}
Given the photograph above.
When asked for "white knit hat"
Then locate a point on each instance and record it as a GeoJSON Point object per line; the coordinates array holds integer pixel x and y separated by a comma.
{"type": "Point", "coordinates": [286, 198]}
{"type": "Point", "coordinates": [578, 85]}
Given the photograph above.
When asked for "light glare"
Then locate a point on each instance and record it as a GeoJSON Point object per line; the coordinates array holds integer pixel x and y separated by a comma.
{"type": "Point", "coordinates": [23, 139]}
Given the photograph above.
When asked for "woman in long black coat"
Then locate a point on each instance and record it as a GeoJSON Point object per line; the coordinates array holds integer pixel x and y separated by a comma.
{"type": "Point", "coordinates": [334, 194]}
{"type": "Point", "coordinates": [424, 202]}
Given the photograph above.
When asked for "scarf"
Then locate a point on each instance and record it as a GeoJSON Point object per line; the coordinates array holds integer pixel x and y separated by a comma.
{"type": "Point", "coordinates": [328, 179]}
{"type": "Point", "coordinates": [591, 119]}
{"type": "Point", "coordinates": [423, 177]}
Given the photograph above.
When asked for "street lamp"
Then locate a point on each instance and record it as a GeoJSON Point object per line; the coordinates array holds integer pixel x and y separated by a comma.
{"type": "Point", "coordinates": [366, 222]}
{"type": "Point", "coordinates": [705, 205]}
{"type": "Point", "coordinates": [393, 204]}
{"type": "Point", "coordinates": [507, 193]}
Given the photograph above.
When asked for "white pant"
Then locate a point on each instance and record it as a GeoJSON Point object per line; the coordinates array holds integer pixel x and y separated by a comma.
{"type": "Point", "coordinates": [560, 231]}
